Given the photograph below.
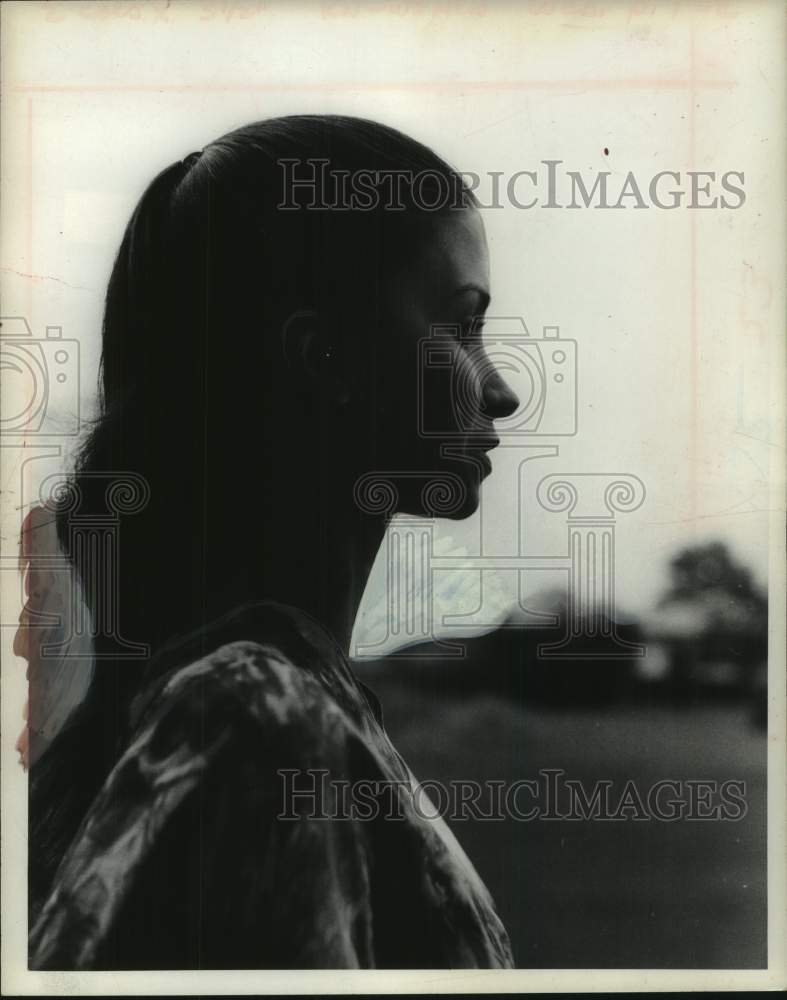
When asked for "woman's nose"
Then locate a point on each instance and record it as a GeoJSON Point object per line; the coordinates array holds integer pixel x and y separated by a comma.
{"type": "Point", "coordinates": [499, 399]}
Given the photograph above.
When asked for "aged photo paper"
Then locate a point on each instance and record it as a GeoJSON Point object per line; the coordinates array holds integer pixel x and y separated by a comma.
{"type": "Point", "coordinates": [393, 496]}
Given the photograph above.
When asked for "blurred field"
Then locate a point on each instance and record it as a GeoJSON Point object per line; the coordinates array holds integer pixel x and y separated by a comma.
{"type": "Point", "coordinates": [573, 894]}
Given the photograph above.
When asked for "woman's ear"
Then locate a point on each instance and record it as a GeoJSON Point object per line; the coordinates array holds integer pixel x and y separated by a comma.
{"type": "Point", "coordinates": [312, 356]}
{"type": "Point", "coordinates": [297, 336]}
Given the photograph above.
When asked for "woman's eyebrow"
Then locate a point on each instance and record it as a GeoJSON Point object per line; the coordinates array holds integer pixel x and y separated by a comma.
{"type": "Point", "coordinates": [482, 294]}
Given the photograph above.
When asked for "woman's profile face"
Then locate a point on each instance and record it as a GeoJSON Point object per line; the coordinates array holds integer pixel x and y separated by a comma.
{"type": "Point", "coordinates": [437, 393]}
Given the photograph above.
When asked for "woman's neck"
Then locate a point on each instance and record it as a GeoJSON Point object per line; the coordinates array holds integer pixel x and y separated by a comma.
{"type": "Point", "coordinates": [326, 577]}
{"type": "Point", "coordinates": [318, 565]}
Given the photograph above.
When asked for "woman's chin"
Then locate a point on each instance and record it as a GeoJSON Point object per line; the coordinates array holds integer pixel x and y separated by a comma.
{"type": "Point", "coordinates": [454, 504]}
{"type": "Point", "coordinates": [464, 505]}
{"type": "Point", "coordinates": [471, 503]}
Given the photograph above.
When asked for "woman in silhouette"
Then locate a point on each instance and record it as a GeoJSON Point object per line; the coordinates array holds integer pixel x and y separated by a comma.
{"type": "Point", "coordinates": [261, 344]}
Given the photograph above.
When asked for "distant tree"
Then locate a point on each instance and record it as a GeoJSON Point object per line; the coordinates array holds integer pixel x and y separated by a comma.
{"type": "Point", "coordinates": [708, 576]}
{"type": "Point", "coordinates": [701, 568]}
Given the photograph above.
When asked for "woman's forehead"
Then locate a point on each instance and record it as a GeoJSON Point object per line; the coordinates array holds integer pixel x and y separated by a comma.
{"type": "Point", "coordinates": [453, 254]}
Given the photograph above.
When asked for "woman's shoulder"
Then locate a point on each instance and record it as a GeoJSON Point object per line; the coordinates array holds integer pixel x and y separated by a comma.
{"type": "Point", "coordinates": [242, 679]}
{"type": "Point", "coordinates": [271, 662]}
{"type": "Point", "coordinates": [220, 732]}
{"type": "Point", "coordinates": [260, 701]}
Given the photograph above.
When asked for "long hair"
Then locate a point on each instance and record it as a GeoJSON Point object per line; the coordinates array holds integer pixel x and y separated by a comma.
{"type": "Point", "coordinates": [212, 262]}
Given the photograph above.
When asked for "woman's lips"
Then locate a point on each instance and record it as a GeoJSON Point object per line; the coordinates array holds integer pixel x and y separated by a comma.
{"type": "Point", "coordinates": [482, 445]}
{"type": "Point", "coordinates": [482, 437]}
{"type": "Point", "coordinates": [477, 448]}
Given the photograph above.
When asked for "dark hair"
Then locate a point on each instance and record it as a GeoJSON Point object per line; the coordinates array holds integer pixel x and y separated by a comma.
{"type": "Point", "coordinates": [209, 268]}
